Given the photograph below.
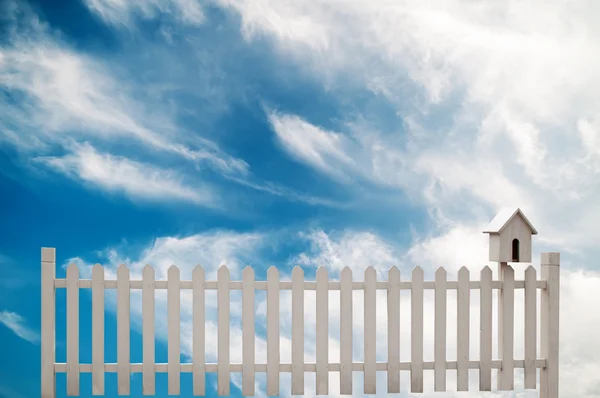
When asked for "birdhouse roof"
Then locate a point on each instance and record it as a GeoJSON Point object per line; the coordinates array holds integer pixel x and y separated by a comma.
{"type": "Point", "coordinates": [503, 218]}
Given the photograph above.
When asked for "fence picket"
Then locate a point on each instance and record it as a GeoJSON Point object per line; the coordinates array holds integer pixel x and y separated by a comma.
{"type": "Point", "coordinates": [123, 325]}
{"type": "Point", "coordinates": [463, 306]}
{"type": "Point", "coordinates": [485, 337]}
{"type": "Point", "coordinates": [440, 330]}
{"type": "Point", "coordinates": [72, 330]}
{"type": "Point", "coordinates": [322, 332]}
{"type": "Point", "coordinates": [393, 303]}
{"type": "Point", "coordinates": [223, 304]}
{"type": "Point", "coordinates": [370, 330]}
{"type": "Point", "coordinates": [148, 308]}
{"type": "Point", "coordinates": [416, 335]}
{"type": "Point", "coordinates": [297, 331]}
{"type": "Point", "coordinates": [273, 357]}
{"type": "Point", "coordinates": [199, 345]}
{"type": "Point", "coordinates": [346, 331]}
{"type": "Point", "coordinates": [173, 315]}
{"type": "Point", "coordinates": [97, 330]}
{"type": "Point", "coordinates": [506, 352]}
{"type": "Point", "coordinates": [530, 327]}
{"type": "Point", "coordinates": [248, 376]}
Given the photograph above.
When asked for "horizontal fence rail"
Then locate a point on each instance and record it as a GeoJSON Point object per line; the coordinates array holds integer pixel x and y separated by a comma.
{"type": "Point", "coordinates": [505, 364]}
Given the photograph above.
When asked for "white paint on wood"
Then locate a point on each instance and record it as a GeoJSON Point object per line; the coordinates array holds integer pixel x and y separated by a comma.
{"type": "Point", "coordinates": [322, 332]}
{"type": "Point", "coordinates": [506, 326]}
{"type": "Point", "coordinates": [297, 331]}
{"type": "Point", "coordinates": [148, 376]}
{"type": "Point", "coordinates": [248, 310]}
{"type": "Point", "coordinates": [48, 330]}
{"type": "Point", "coordinates": [223, 304]}
{"type": "Point", "coordinates": [72, 330]}
{"type": "Point", "coordinates": [346, 331]}
{"type": "Point", "coordinates": [123, 325]}
{"type": "Point", "coordinates": [97, 330]}
{"type": "Point", "coordinates": [485, 336]}
{"type": "Point", "coordinates": [370, 330]}
{"type": "Point", "coordinates": [174, 338]}
{"type": "Point", "coordinates": [273, 357]}
{"type": "Point", "coordinates": [530, 327]}
{"type": "Point", "coordinates": [549, 339]}
{"type": "Point", "coordinates": [416, 337]}
{"type": "Point", "coordinates": [199, 345]}
{"type": "Point", "coordinates": [393, 308]}
{"type": "Point", "coordinates": [440, 330]}
{"type": "Point", "coordinates": [462, 345]}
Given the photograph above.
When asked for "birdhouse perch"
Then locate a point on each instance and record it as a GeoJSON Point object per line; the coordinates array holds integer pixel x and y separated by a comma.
{"type": "Point", "coordinates": [510, 235]}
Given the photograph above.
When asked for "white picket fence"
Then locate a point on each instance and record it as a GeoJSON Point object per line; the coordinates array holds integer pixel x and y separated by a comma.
{"type": "Point", "coordinates": [547, 361]}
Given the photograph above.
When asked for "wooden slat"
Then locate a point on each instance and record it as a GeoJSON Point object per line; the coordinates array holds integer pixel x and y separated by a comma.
{"type": "Point", "coordinates": [370, 330]}
{"type": "Point", "coordinates": [440, 329]}
{"type": "Point", "coordinates": [297, 331]}
{"type": "Point", "coordinates": [530, 327]}
{"type": "Point", "coordinates": [393, 310]}
{"type": "Point", "coordinates": [485, 336]}
{"type": "Point", "coordinates": [148, 377]}
{"type": "Point", "coordinates": [416, 336]}
{"type": "Point", "coordinates": [248, 351]}
{"type": "Point", "coordinates": [322, 332]}
{"type": "Point", "coordinates": [462, 346]}
{"type": "Point", "coordinates": [550, 329]}
{"type": "Point", "coordinates": [72, 330]}
{"type": "Point", "coordinates": [506, 351]}
{"type": "Point", "coordinates": [48, 329]}
{"type": "Point", "coordinates": [97, 330]}
{"type": "Point", "coordinates": [223, 304]}
{"type": "Point", "coordinates": [123, 326]}
{"type": "Point", "coordinates": [199, 345]}
{"type": "Point", "coordinates": [174, 338]}
{"type": "Point", "coordinates": [273, 332]}
{"type": "Point", "coordinates": [346, 331]}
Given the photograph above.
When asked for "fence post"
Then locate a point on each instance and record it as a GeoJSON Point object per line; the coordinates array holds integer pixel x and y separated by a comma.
{"type": "Point", "coordinates": [550, 324]}
{"type": "Point", "coordinates": [48, 331]}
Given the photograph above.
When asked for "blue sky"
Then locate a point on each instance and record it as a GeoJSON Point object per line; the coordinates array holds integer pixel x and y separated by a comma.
{"type": "Point", "coordinates": [290, 133]}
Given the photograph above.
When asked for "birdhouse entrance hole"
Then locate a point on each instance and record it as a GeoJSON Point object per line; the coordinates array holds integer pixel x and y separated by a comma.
{"type": "Point", "coordinates": [515, 250]}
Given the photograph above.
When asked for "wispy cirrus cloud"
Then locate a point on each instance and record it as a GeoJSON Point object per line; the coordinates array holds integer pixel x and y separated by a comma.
{"type": "Point", "coordinates": [141, 181]}
{"type": "Point", "coordinates": [18, 325]}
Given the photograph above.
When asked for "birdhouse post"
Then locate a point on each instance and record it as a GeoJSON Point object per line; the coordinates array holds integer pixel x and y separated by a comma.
{"type": "Point", "coordinates": [510, 234]}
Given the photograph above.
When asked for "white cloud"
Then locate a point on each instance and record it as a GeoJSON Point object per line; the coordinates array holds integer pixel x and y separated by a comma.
{"type": "Point", "coordinates": [138, 180]}
{"type": "Point", "coordinates": [17, 324]}
{"type": "Point", "coordinates": [56, 93]}
{"type": "Point", "coordinates": [121, 11]}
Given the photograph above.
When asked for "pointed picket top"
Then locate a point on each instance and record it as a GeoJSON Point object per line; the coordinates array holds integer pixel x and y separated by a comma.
{"type": "Point", "coordinates": [346, 271]}
{"type": "Point", "coordinates": [122, 270]}
{"type": "Point", "coordinates": [272, 272]}
{"type": "Point", "coordinates": [173, 271]}
{"type": "Point", "coordinates": [198, 271]}
{"type": "Point", "coordinates": [464, 272]}
{"type": "Point", "coordinates": [417, 272]}
{"type": "Point", "coordinates": [148, 271]}
{"type": "Point", "coordinates": [441, 272]}
{"type": "Point", "coordinates": [298, 272]}
{"type": "Point", "coordinates": [97, 270]}
{"type": "Point", "coordinates": [530, 270]}
{"type": "Point", "coordinates": [322, 272]}
{"type": "Point", "coordinates": [248, 272]}
{"type": "Point", "coordinates": [73, 270]}
{"type": "Point", "coordinates": [370, 272]}
{"type": "Point", "coordinates": [393, 271]}
{"type": "Point", "coordinates": [223, 271]}
{"type": "Point", "coordinates": [485, 271]}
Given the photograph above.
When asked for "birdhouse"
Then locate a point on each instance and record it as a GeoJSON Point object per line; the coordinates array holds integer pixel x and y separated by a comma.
{"type": "Point", "coordinates": [510, 237]}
